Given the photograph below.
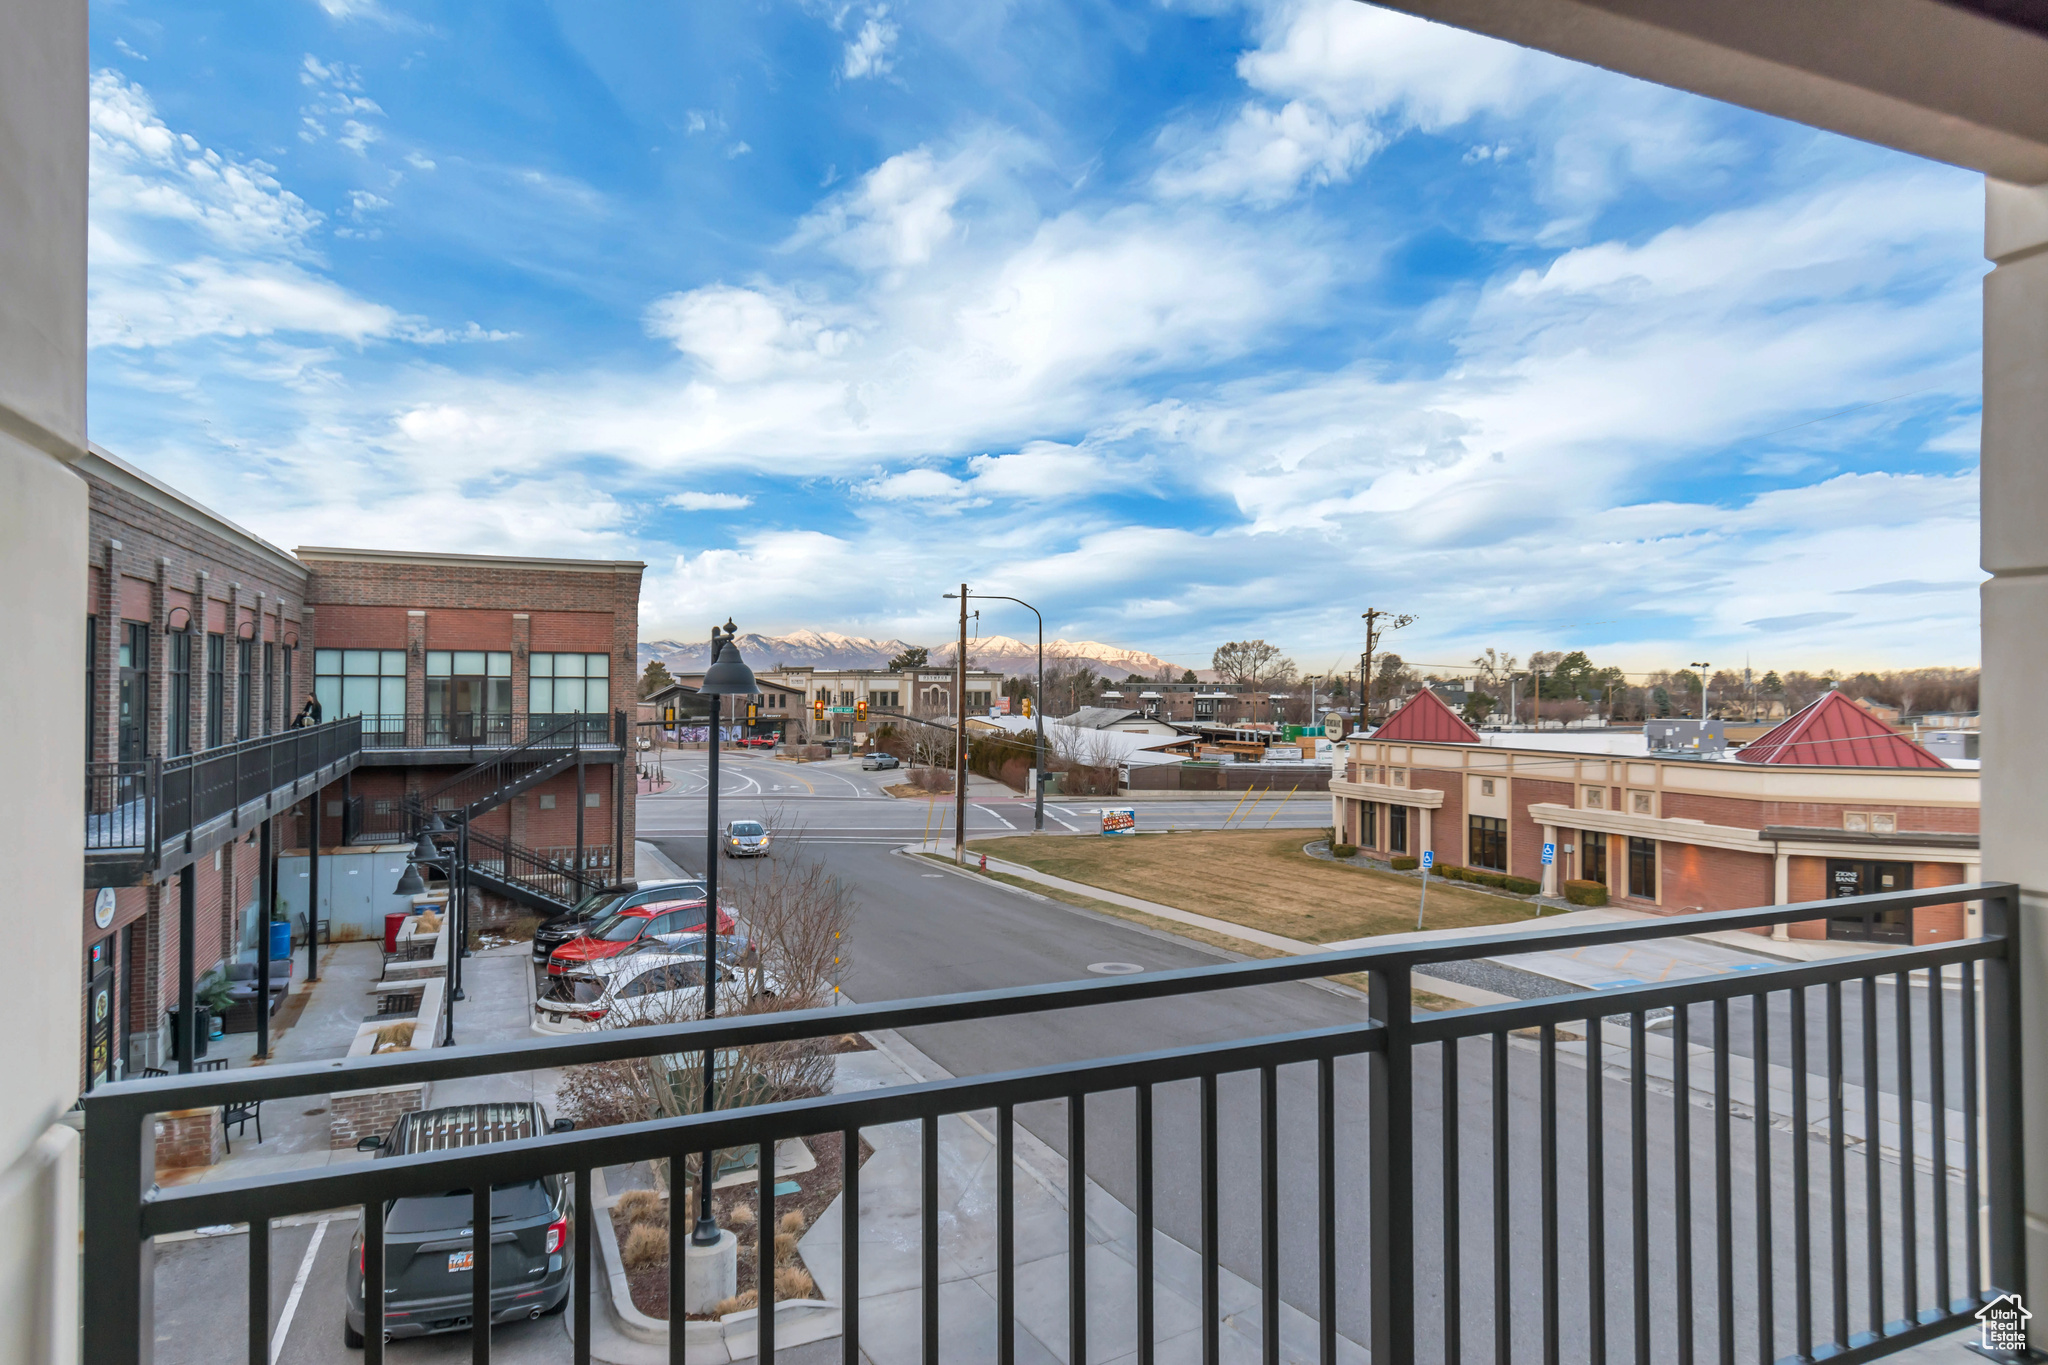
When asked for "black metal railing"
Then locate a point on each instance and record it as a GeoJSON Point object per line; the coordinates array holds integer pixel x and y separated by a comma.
{"type": "Point", "coordinates": [475, 729]}
{"type": "Point", "coordinates": [551, 743]}
{"type": "Point", "coordinates": [543, 871]}
{"type": "Point", "coordinates": [1524, 1178]}
{"type": "Point", "coordinates": [152, 804]}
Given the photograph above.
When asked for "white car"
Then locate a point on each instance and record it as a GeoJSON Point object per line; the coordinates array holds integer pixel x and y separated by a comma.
{"type": "Point", "coordinates": [643, 988]}
{"type": "Point", "coordinates": [745, 839]}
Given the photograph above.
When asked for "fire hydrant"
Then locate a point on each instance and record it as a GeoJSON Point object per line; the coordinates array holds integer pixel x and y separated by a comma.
{"type": "Point", "coordinates": [984, 862]}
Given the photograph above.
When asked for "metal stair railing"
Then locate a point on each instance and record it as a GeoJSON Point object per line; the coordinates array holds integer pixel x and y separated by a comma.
{"type": "Point", "coordinates": [502, 776]}
{"type": "Point", "coordinates": [518, 868]}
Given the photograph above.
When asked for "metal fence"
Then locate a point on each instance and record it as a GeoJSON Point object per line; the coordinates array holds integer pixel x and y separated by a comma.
{"type": "Point", "coordinates": [1535, 1179]}
{"type": "Point", "coordinates": [546, 871]}
{"type": "Point", "coordinates": [151, 804]}
{"type": "Point", "coordinates": [476, 729]}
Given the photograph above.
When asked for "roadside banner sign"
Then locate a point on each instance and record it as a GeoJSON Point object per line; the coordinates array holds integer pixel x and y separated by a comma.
{"type": "Point", "coordinates": [1120, 820]}
{"type": "Point", "coordinates": [1428, 858]}
{"type": "Point", "coordinates": [1549, 854]}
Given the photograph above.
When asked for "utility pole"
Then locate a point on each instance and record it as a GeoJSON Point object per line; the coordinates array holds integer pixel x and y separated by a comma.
{"type": "Point", "coordinates": [960, 741]}
{"type": "Point", "coordinates": [1703, 688]}
{"type": "Point", "coordinates": [1373, 630]}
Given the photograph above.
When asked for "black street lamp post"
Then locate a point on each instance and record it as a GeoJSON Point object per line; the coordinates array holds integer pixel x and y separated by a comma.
{"type": "Point", "coordinates": [728, 676]}
{"type": "Point", "coordinates": [1037, 705]}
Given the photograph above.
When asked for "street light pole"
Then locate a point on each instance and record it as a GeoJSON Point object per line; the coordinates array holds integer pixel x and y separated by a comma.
{"type": "Point", "coordinates": [1037, 702]}
{"type": "Point", "coordinates": [1702, 667]}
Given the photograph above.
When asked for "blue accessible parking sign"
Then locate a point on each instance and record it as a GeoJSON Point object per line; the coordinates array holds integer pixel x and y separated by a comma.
{"type": "Point", "coordinates": [1549, 854]}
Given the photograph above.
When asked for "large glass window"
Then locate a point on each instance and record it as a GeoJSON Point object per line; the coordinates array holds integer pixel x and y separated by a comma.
{"type": "Point", "coordinates": [269, 687]}
{"type": "Point", "coordinates": [1368, 833]}
{"type": "Point", "coordinates": [1489, 843]}
{"type": "Point", "coordinates": [361, 682]}
{"type": "Point", "coordinates": [469, 693]}
{"type": "Point", "coordinates": [92, 663]}
{"type": "Point", "coordinates": [216, 687]}
{"type": "Point", "coordinates": [1397, 829]}
{"type": "Point", "coordinates": [133, 661]}
{"type": "Point", "coordinates": [1592, 856]}
{"type": "Point", "coordinates": [570, 684]}
{"type": "Point", "coordinates": [179, 721]}
{"type": "Point", "coordinates": [245, 687]}
{"type": "Point", "coordinates": [1855, 877]}
{"type": "Point", "coordinates": [1642, 869]}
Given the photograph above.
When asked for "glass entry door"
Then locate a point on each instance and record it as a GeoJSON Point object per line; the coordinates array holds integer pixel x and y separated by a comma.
{"type": "Point", "coordinates": [1857, 877]}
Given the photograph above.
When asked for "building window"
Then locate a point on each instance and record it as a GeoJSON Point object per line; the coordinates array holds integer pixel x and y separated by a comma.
{"type": "Point", "coordinates": [1596, 798]}
{"type": "Point", "coordinates": [1592, 856]}
{"type": "Point", "coordinates": [1397, 829]}
{"type": "Point", "coordinates": [245, 688]}
{"type": "Point", "coordinates": [1642, 869]}
{"type": "Point", "coordinates": [1368, 835]}
{"type": "Point", "coordinates": [287, 703]}
{"type": "Point", "coordinates": [978, 701]}
{"type": "Point", "coordinates": [593, 800]}
{"type": "Point", "coordinates": [846, 698]}
{"type": "Point", "coordinates": [568, 684]}
{"type": "Point", "coordinates": [1489, 838]}
{"type": "Point", "coordinates": [1486, 786]}
{"type": "Point", "coordinates": [216, 687]}
{"type": "Point", "coordinates": [361, 682]}
{"type": "Point", "coordinates": [547, 802]}
{"type": "Point", "coordinates": [1400, 777]}
{"type": "Point", "coordinates": [269, 687]}
{"type": "Point", "coordinates": [92, 663]}
{"type": "Point", "coordinates": [885, 700]}
{"type": "Point", "coordinates": [1642, 803]}
{"type": "Point", "coordinates": [465, 687]}
{"type": "Point", "coordinates": [1857, 878]}
{"type": "Point", "coordinates": [179, 720]}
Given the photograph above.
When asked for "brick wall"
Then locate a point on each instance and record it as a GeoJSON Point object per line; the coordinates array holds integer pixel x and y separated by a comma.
{"type": "Point", "coordinates": [355, 1114]}
{"type": "Point", "coordinates": [1701, 879]}
{"type": "Point", "coordinates": [1742, 813]}
{"type": "Point", "coordinates": [1525, 836]}
{"type": "Point", "coordinates": [190, 1137]}
{"type": "Point", "coordinates": [1447, 822]}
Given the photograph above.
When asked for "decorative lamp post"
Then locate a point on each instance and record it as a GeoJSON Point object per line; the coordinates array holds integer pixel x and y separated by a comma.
{"type": "Point", "coordinates": [1037, 705]}
{"type": "Point", "coordinates": [728, 676]}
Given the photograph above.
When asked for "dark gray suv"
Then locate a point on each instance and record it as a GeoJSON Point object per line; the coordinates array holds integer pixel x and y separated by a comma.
{"type": "Point", "coordinates": [427, 1248]}
{"type": "Point", "coordinates": [600, 905]}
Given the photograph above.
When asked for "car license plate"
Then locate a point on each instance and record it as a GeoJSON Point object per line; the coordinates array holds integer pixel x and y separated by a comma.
{"type": "Point", "coordinates": [460, 1260]}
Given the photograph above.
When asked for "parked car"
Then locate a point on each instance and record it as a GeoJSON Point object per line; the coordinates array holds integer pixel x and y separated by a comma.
{"type": "Point", "coordinates": [639, 929]}
{"type": "Point", "coordinates": [427, 1251]}
{"type": "Point", "coordinates": [573, 924]}
{"type": "Point", "coordinates": [758, 742]}
{"type": "Point", "coordinates": [646, 988]}
{"type": "Point", "coordinates": [745, 839]}
{"type": "Point", "coordinates": [878, 762]}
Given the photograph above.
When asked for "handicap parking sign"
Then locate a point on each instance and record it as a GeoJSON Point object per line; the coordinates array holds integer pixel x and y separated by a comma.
{"type": "Point", "coordinates": [1428, 858]}
{"type": "Point", "coordinates": [1549, 854]}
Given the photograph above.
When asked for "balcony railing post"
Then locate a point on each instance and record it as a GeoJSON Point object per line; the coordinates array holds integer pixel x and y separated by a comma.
{"type": "Point", "coordinates": [120, 1263]}
{"type": "Point", "coordinates": [1390, 1189]}
{"type": "Point", "coordinates": [2005, 1151]}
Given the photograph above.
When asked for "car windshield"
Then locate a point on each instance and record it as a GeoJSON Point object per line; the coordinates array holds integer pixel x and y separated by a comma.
{"type": "Point", "coordinates": [447, 1212]}
{"type": "Point", "coordinates": [573, 990]}
{"type": "Point", "coordinates": [747, 827]}
{"type": "Point", "coordinates": [680, 891]}
{"type": "Point", "coordinates": [595, 900]}
{"type": "Point", "coordinates": [620, 928]}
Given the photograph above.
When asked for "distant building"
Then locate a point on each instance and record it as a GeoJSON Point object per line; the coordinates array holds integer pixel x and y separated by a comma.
{"type": "Point", "coordinates": [1831, 802]}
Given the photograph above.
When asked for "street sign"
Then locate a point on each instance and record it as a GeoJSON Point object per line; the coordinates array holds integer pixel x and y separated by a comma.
{"type": "Point", "coordinates": [840, 710]}
{"type": "Point", "coordinates": [1549, 854]}
{"type": "Point", "coordinates": [1428, 859]}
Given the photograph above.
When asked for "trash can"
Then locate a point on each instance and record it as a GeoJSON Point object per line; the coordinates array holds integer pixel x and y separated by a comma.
{"type": "Point", "coordinates": [393, 919]}
{"type": "Point", "coordinates": [280, 940]}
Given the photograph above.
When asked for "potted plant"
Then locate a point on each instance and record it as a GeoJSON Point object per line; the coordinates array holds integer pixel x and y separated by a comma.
{"type": "Point", "coordinates": [214, 1001]}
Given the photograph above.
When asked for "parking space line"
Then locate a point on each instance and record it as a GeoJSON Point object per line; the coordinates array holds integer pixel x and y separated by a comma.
{"type": "Point", "coordinates": [291, 1303]}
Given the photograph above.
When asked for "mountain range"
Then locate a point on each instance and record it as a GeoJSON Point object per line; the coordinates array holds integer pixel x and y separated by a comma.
{"type": "Point", "coordinates": [829, 649]}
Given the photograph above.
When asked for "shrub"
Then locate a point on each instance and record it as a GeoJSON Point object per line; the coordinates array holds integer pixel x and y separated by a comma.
{"type": "Point", "coordinates": [1493, 879]}
{"type": "Point", "coordinates": [641, 1206]}
{"type": "Point", "coordinates": [738, 1303]}
{"type": "Point", "coordinates": [1523, 886]}
{"type": "Point", "coordinates": [794, 1282]}
{"type": "Point", "coordinates": [794, 1221]}
{"type": "Point", "coordinates": [644, 1246]}
{"type": "Point", "coordinates": [1585, 893]}
{"type": "Point", "coordinates": [739, 1214]}
{"type": "Point", "coordinates": [1452, 872]}
{"type": "Point", "coordinates": [1343, 850]}
{"type": "Point", "coordinates": [1403, 864]}
{"type": "Point", "coordinates": [785, 1247]}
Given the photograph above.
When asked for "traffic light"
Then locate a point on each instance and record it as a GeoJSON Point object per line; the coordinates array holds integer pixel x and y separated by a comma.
{"type": "Point", "coordinates": [1027, 708]}
{"type": "Point", "coordinates": [668, 715]}
{"type": "Point", "coordinates": [818, 707]}
{"type": "Point", "coordinates": [753, 712]}
{"type": "Point", "coordinates": [860, 709]}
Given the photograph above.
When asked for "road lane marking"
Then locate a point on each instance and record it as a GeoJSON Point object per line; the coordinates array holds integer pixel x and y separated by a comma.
{"type": "Point", "coordinates": [291, 1303]}
{"type": "Point", "coordinates": [997, 814]}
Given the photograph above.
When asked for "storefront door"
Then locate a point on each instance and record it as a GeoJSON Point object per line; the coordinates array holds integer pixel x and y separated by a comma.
{"type": "Point", "coordinates": [1856, 877]}
{"type": "Point", "coordinates": [99, 1014]}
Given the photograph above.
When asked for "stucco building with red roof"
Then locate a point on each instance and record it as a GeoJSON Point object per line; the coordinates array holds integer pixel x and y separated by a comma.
{"type": "Point", "coordinates": [1832, 802]}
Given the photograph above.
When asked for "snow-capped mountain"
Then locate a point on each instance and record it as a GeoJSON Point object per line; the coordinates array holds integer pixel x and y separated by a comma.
{"type": "Point", "coordinates": [829, 649]}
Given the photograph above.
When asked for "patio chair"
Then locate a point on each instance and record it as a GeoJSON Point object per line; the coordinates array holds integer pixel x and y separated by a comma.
{"type": "Point", "coordinates": [239, 1115]}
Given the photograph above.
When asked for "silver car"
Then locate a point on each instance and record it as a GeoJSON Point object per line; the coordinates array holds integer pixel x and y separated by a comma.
{"type": "Point", "coordinates": [745, 839]}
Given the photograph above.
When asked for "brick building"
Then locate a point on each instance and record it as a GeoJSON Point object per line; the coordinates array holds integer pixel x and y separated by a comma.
{"type": "Point", "coordinates": [448, 656]}
{"type": "Point", "coordinates": [204, 641]}
{"type": "Point", "coordinates": [1830, 803]}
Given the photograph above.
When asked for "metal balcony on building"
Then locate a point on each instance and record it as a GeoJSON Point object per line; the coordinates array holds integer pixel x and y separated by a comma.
{"type": "Point", "coordinates": [1819, 1160]}
{"type": "Point", "coordinates": [467, 737]}
{"type": "Point", "coordinates": [144, 821]}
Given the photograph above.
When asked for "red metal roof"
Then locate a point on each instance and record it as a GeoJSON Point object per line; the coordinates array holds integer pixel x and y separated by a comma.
{"type": "Point", "coordinates": [1426, 720]}
{"type": "Point", "coordinates": [1835, 732]}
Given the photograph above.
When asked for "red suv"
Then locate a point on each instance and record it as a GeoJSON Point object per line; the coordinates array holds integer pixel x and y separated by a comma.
{"type": "Point", "coordinates": [659, 924]}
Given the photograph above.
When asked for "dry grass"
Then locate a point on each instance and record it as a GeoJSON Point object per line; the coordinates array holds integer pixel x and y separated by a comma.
{"type": "Point", "coordinates": [794, 1222]}
{"type": "Point", "coordinates": [641, 1206]}
{"type": "Point", "coordinates": [1258, 879]}
{"type": "Point", "coordinates": [645, 1245]}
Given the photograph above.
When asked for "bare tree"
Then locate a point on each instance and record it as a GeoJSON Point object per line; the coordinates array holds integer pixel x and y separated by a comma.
{"type": "Point", "coordinates": [1251, 663]}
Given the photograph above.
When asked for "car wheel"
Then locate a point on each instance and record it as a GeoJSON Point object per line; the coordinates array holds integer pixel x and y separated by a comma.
{"type": "Point", "coordinates": [350, 1337]}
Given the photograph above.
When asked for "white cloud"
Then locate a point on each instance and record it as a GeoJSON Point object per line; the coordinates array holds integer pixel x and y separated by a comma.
{"type": "Point", "coordinates": [709, 502]}
{"type": "Point", "coordinates": [740, 334]}
{"type": "Point", "coordinates": [902, 212]}
{"type": "Point", "coordinates": [868, 53]}
{"type": "Point", "coordinates": [419, 162]}
{"type": "Point", "coordinates": [357, 136]}
{"type": "Point", "coordinates": [914, 485]}
{"type": "Point", "coordinates": [1264, 156]}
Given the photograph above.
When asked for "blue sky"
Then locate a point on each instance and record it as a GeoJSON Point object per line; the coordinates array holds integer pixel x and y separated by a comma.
{"type": "Point", "coordinates": [1186, 322]}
